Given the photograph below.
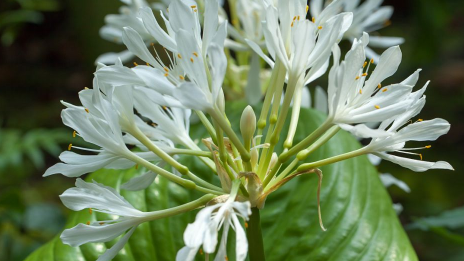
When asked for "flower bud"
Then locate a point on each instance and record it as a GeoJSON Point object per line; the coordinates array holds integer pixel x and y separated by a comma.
{"type": "Point", "coordinates": [248, 125]}
{"type": "Point", "coordinates": [220, 102]}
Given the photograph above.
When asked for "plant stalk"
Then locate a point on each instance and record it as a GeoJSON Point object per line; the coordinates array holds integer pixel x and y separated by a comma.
{"type": "Point", "coordinates": [255, 237]}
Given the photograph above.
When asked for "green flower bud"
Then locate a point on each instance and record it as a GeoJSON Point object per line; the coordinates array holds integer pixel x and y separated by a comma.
{"type": "Point", "coordinates": [248, 126]}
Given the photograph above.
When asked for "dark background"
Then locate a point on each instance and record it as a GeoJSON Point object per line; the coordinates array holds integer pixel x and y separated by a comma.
{"type": "Point", "coordinates": [47, 54]}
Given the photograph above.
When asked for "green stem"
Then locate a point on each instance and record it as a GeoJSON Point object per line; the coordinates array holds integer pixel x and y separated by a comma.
{"type": "Point", "coordinates": [209, 127]}
{"type": "Point", "coordinates": [222, 122]}
{"type": "Point", "coordinates": [306, 142]}
{"type": "Point", "coordinates": [198, 153]}
{"type": "Point", "coordinates": [255, 237]}
{"type": "Point", "coordinates": [320, 163]}
{"type": "Point", "coordinates": [180, 209]}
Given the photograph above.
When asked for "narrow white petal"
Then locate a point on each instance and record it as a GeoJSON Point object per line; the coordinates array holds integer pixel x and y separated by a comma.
{"type": "Point", "coordinates": [140, 182]}
{"type": "Point", "coordinates": [114, 250]}
{"type": "Point", "coordinates": [389, 180]}
{"type": "Point", "coordinates": [415, 165]}
{"type": "Point", "coordinates": [186, 254]}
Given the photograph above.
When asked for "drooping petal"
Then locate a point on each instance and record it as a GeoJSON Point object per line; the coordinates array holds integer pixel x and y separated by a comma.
{"type": "Point", "coordinates": [140, 182]}
{"type": "Point", "coordinates": [114, 250]}
{"type": "Point", "coordinates": [415, 165]}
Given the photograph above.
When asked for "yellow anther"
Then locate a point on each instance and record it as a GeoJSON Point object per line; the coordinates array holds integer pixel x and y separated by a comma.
{"type": "Point", "coordinates": [201, 251]}
{"type": "Point", "coordinates": [360, 91]}
{"type": "Point", "coordinates": [86, 110]}
{"type": "Point", "coordinates": [357, 78]}
{"type": "Point", "coordinates": [195, 10]}
{"type": "Point", "coordinates": [136, 64]}
{"type": "Point", "coordinates": [136, 166]}
{"type": "Point", "coordinates": [379, 86]}
{"type": "Point", "coordinates": [152, 44]}
{"type": "Point", "coordinates": [69, 146]}
{"type": "Point", "coordinates": [195, 53]}
{"type": "Point", "coordinates": [377, 107]}
{"type": "Point", "coordinates": [420, 120]}
{"type": "Point", "coordinates": [364, 65]}
{"type": "Point", "coordinates": [226, 258]}
{"type": "Point", "coordinates": [74, 134]}
{"type": "Point", "coordinates": [384, 90]}
{"type": "Point", "coordinates": [313, 19]}
{"type": "Point", "coordinates": [191, 59]}
{"type": "Point", "coordinates": [90, 211]}
{"type": "Point", "coordinates": [181, 77]}
{"type": "Point", "coordinates": [420, 155]}
{"type": "Point", "coordinates": [291, 24]}
{"type": "Point", "coordinates": [319, 27]}
{"type": "Point", "coordinates": [180, 56]}
{"type": "Point", "coordinates": [166, 74]}
{"type": "Point", "coordinates": [193, 6]}
{"type": "Point", "coordinates": [298, 18]}
{"type": "Point", "coordinates": [387, 23]}
{"type": "Point", "coordinates": [372, 60]}
{"type": "Point", "coordinates": [166, 69]}
{"type": "Point", "coordinates": [86, 88]}
{"type": "Point", "coordinates": [364, 74]}
{"type": "Point", "coordinates": [307, 8]}
{"type": "Point", "coordinates": [294, 18]}
{"type": "Point", "coordinates": [246, 224]}
{"type": "Point", "coordinates": [428, 146]}
{"type": "Point", "coordinates": [88, 223]}
{"type": "Point", "coordinates": [148, 64]}
{"type": "Point", "coordinates": [101, 223]}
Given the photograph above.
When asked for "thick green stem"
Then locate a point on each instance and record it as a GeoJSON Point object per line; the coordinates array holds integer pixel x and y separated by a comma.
{"type": "Point", "coordinates": [320, 163]}
{"type": "Point", "coordinates": [255, 237]}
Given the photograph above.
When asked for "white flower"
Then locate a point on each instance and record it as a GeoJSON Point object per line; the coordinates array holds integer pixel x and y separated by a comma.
{"type": "Point", "coordinates": [367, 17]}
{"type": "Point", "coordinates": [100, 198]}
{"type": "Point", "coordinates": [418, 131]}
{"type": "Point", "coordinates": [297, 42]}
{"type": "Point", "coordinates": [99, 122]}
{"type": "Point", "coordinates": [113, 28]}
{"type": "Point", "coordinates": [204, 231]}
{"type": "Point", "coordinates": [357, 96]}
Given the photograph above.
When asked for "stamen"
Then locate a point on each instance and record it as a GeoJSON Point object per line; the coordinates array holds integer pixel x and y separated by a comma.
{"type": "Point", "coordinates": [364, 65]}
{"type": "Point", "coordinates": [357, 78]}
{"type": "Point", "coordinates": [246, 224]}
{"type": "Point", "coordinates": [90, 211]}
{"type": "Point", "coordinates": [136, 166]}
{"type": "Point", "coordinates": [384, 90]}
{"type": "Point", "coordinates": [313, 19]}
{"type": "Point", "coordinates": [166, 74]}
{"type": "Point", "coordinates": [101, 223]}
{"type": "Point", "coordinates": [377, 107]}
{"type": "Point", "coordinates": [360, 91]}
{"type": "Point", "coordinates": [152, 44]}
{"type": "Point", "coordinates": [379, 86]}
{"type": "Point", "coordinates": [195, 53]}
{"type": "Point", "coordinates": [180, 56]}
{"type": "Point", "coordinates": [136, 64]}
{"type": "Point", "coordinates": [86, 88]}
{"type": "Point", "coordinates": [88, 223]}
{"type": "Point", "coordinates": [307, 8]}
{"type": "Point", "coordinates": [74, 134]}
{"type": "Point", "coordinates": [191, 59]}
{"type": "Point", "coordinates": [428, 146]}
{"type": "Point", "coordinates": [69, 146]}
{"type": "Point", "coordinates": [166, 69]}
{"type": "Point", "coordinates": [181, 77]}
{"type": "Point", "coordinates": [201, 251]}
{"type": "Point", "coordinates": [372, 60]}
{"type": "Point", "coordinates": [319, 27]}
{"type": "Point", "coordinates": [86, 110]}
{"type": "Point", "coordinates": [148, 64]}
{"type": "Point", "coordinates": [364, 74]}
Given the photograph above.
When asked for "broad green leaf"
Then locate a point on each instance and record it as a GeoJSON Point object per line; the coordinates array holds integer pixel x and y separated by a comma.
{"type": "Point", "coordinates": [356, 209]}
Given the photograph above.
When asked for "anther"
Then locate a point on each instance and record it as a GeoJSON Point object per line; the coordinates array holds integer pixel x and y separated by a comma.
{"type": "Point", "coordinates": [307, 8]}
{"type": "Point", "coordinates": [291, 24]}
{"type": "Point", "coordinates": [86, 110]}
{"type": "Point", "coordinates": [377, 107]}
{"type": "Point", "coordinates": [201, 251]}
{"type": "Point", "coordinates": [420, 155]}
{"type": "Point", "coordinates": [379, 86]}
{"type": "Point", "coordinates": [90, 211]}
{"type": "Point", "coordinates": [428, 146]}
{"type": "Point", "coordinates": [74, 134]}
{"type": "Point", "coordinates": [191, 59]}
{"type": "Point", "coordinates": [298, 18]}
{"type": "Point", "coordinates": [69, 146]}
{"type": "Point", "coordinates": [86, 88]}
{"type": "Point", "coordinates": [181, 77]}
{"type": "Point", "coordinates": [313, 19]}
{"type": "Point", "coordinates": [88, 223]}
{"type": "Point", "coordinates": [319, 27]}
{"type": "Point", "coordinates": [372, 60]}
{"type": "Point", "coordinates": [384, 90]}
{"type": "Point", "coordinates": [193, 6]}
{"type": "Point", "coordinates": [420, 120]}
{"type": "Point", "coordinates": [166, 69]}
{"type": "Point", "coordinates": [360, 91]}
{"type": "Point", "coordinates": [180, 56]}
{"type": "Point", "coordinates": [152, 44]}
{"type": "Point", "coordinates": [195, 53]}
{"type": "Point", "coordinates": [387, 23]}
{"type": "Point", "coordinates": [148, 64]}
{"type": "Point", "coordinates": [136, 166]}
{"type": "Point", "coordinates": [166, 74]}
{"type": "Point", "coordinates": [101, 223]}
{"type": "Point", "coordinates": [364, 65]}
{"type": "Point", "coordinates": [136, 64]}
{"type": "Point", "coordinates": [357, 78]}
{"type": "Point", "coordinates": [246, 224]}
{"type": "Point", "coordinates": [294, 18]}
{"type": "Point", "coordinates": [364, 74]}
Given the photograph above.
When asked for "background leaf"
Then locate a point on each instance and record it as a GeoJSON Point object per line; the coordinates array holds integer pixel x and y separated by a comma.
{"type": "Point", "coordinates": [356, 208]}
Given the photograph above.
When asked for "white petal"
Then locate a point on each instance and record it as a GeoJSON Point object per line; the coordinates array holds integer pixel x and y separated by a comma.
{"type": "Point", "coordinates": [152, 26]}
{"type": "Point", "coordinates": [186, 254]}
{"type": "Point", "coordinates": [389, 180]}
{"type": "Point", "coordinates": [241, 245]}
{"type": "Point", "coordinates": [362, 131]}
{"type": "Point", "coordinates": [76, 165]}
{"type": "Point", "coordinates": [320, 100]}
{"type": "Point", "coordinates": [114, 250]}
{"type": "Point", "coordinates": [387, 66]}
{"type": "Point", "coordinates": [253, 89]}
{"type": "Point", "coordinates": [385, 41]}
{"type": "Point", "coordinates": [260, 52]}
{"type": "Point", "coordinates": [112, 58]}
{"type": "Point", "coordinates": [424, 131]}
{"type": "Point", "coordinates": [82, 234]}
{"type": "Point", "coordinates": [137, 46]}
{"type": "Point", "coordinates": [194, 233]}
{"type": "Point", "coordinates": [154, 79]}
{"type": "Point", "coordinates": [415, 165]}
{"type": "Point", "coordinates": [140, 182]}
{"type": "Point", "coordinates": [192, 97]}
{"type": "Point", "coordinates": [117, 76]}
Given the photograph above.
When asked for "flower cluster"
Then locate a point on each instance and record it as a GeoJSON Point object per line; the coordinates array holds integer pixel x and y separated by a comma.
{"type": "Point", "coordinates": [193, 59]}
